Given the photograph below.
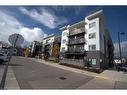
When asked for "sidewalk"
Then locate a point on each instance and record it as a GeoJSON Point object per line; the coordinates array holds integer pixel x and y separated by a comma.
{"type": "Point", "coordinates": [2, 67]}
{"type": "Point", "coordinates": [11, 82]}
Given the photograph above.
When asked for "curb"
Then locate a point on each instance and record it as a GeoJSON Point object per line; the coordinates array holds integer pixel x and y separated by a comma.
{"type": "Point", "coordinates": [11, 82]}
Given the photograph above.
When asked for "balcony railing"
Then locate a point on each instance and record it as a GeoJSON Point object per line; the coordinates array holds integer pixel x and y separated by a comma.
{"type": "Point", "coordinates": [76, 62]}
{"type": "Point", "coordinates": [77, 31]}
{"type": "Point", "coordinates": [75, 51]}
{"type": "Point", "coordinates": [76, 41]}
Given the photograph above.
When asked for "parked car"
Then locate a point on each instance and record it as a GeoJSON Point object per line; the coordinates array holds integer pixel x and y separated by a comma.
{"type": "Point", "coordinates": [121, 65]}
{"type": "Point", "coordinates": [3, 58]}
{"type": "Point", "coordinates": [124, 67]}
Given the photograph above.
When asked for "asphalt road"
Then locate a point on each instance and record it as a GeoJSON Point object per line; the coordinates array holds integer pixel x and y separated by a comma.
{"type": "Point", "coordinates": [34, 75]}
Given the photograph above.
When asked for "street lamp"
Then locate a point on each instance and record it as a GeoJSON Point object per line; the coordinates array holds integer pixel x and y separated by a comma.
{"type": "Point", "coordinates": [120, 33]}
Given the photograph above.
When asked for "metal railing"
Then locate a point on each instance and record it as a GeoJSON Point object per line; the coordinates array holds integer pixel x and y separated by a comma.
{"type": "Point", "coordinates": [77, 31]}
{"type": "Point", "coordinates": [75, 51]}
{"type": "Point", "coordinates": [76, 41]}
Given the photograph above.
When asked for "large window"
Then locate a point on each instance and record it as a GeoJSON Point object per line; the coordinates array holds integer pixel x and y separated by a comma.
{"type": "Point", "coordinates": [79, 47]}
{"type": "Point", "coordinates": [80, 38]}
{"type": "Point", "coordinates": [92, 61]}
{"type": "Point", "coordinates": [93, 24]}
{"type": "Point", "coordinates": [47, 41]}
{"type": "Point", "coordinates": [92, 47]}
{"type": "Point", "coordinates": [65, 34]}
{"type": "Point", "coordinates": [64, 41]}
{"type": "Point", "coordinates": [71, 48]}
{"type": "Point", "coordinates": [92, 35]}
{"type": "Point", "coordinates": [71, 40]}
{"type": "Point", "coordinates": [63, 49]}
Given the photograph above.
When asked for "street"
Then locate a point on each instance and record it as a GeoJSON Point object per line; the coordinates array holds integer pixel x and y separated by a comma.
{"type": "Point", "coordinates": [29, 73]}
{"type": "Point", "coordinates": [32, 75]}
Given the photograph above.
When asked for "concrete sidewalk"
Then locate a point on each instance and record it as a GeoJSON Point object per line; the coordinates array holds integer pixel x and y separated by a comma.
{"type": "Point", "coordinates": [2, 67]}
{"type": "Point", "coordinates": [11, 82]}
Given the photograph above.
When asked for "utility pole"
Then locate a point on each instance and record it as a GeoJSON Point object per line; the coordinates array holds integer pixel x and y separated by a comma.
{"type": "Point", "coordinates": [120, 33]}
{"type": "Point", "coordinates": [119, 45]}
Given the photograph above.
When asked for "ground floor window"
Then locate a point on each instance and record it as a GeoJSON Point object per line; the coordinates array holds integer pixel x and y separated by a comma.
{"type": "Point", "coordinates": [92, 61]}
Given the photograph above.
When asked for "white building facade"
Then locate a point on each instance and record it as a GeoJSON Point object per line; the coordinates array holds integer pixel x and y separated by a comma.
{"type": "Point", "coordinates": [87, 43]}
{"type": "Point", "coordinates": [48, 44]}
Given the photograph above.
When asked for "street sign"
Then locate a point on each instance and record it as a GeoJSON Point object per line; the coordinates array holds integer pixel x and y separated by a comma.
{"type": "Point", "coordinates": [16, 39]}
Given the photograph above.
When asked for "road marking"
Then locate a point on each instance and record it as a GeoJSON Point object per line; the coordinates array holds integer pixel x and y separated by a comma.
{"type": "Point", "coordinates": [101, 77]}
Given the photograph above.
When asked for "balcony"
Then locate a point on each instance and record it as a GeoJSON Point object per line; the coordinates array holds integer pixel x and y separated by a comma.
{"type": "Point", "coordinates": [57, 40]}
{"type": "Point", "coordinates": [75, 51]}
{"type": "Point", "coordinates": [77, 31]}
{"type": "Point", "coordinates": [76, 41]}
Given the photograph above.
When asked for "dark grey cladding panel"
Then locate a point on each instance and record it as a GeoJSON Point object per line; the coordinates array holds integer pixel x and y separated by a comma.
{"type": "Point", "coordinates": [94, 55]}
{"type": "Point", "coordinates": [98, 55]}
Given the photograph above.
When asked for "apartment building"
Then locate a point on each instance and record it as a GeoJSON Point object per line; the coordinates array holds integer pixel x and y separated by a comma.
{"type": "Point", "coordinates": [35, 48]}
{"type": "Point", "coordinates": [87, 43]}
{"type": "Point", "coordinates": [48, 44]}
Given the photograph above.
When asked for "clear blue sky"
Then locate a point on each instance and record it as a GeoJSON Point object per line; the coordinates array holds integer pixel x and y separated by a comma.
{"type": "Point", "coordinates": [58, 16]}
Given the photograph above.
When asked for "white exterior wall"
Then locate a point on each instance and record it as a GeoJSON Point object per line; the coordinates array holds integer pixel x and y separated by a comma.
{"type": "Point", "coordinates": [64, 37]}
{"type": "Point", "coordinates": [92, 30]}
{"type": "Point", "coordinates": [33, 46]}
{"type": "Point", "coordinates": [0, 46]}
{"type": "Point", "coordinates": [51, 40]}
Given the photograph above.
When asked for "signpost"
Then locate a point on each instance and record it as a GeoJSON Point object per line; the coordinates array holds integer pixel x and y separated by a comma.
{"type": "Point", "coordinates": [15, 40]}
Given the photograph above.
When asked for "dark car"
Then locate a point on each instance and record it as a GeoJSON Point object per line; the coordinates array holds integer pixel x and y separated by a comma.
{"type": "Point", "coordinates": [121, 65]}
{"type": "Point", "coordinates": [3, 58]}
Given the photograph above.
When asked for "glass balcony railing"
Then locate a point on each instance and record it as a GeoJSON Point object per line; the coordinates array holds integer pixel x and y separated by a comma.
{"type": "Point", "coordinates": [76, 41]}
{"type": "Point", "coordinates": [75, 50]}
{"type": "Point", "coordinates": [77, 31]}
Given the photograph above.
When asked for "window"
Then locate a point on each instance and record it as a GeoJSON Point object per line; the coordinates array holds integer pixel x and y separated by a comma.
{"type": "Point", "coordinates": [64, 41]}
{"type": "Point", "coordinates": [71, 48]}
{"type": "Point", "coordinates": [63, 49]}
{"type": "Point", "coordinates": [81, 40]}
{"type": "Point", "coordinates": [47, 41]}
{"type": "Point", "coordinates": [79, 47]}
{"type": "Point", "coordinates": [93, 24]}
{"type": "Point", "coordinates": [65, 34]}
{"type": "Point", "coordinates": [92, 35]}
{"type": "Point", "coordinates": [93, 61]}
{"type": "Point", "coordinates": [92, 47]}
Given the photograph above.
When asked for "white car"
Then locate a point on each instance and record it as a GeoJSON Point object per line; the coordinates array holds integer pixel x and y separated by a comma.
{"type": "Point", "coordinates": [3, 58]}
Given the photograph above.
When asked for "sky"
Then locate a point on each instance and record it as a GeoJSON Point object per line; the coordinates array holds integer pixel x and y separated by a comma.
{"type": "Point", "coordinates": [36, 22]}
